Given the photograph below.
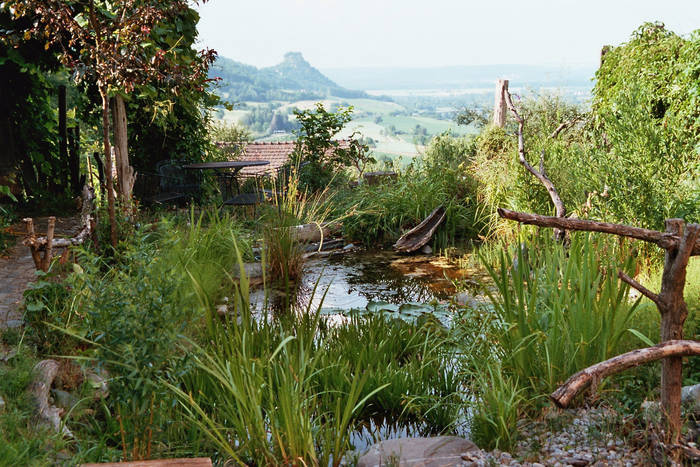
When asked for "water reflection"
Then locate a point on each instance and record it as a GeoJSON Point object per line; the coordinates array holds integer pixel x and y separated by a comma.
{"type": "Point", "coordinates": [352, 280]}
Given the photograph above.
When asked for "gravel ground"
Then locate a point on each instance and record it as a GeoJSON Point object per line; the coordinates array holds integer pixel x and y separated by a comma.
{"type": "Point", "coordinates": [575, 437]}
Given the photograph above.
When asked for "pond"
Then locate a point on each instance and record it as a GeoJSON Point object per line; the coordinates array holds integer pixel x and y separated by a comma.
{"type": "Point", "coordinates": [355, 279]}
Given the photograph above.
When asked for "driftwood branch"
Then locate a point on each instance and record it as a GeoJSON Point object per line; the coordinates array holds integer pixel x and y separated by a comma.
{"type": "Point", "coordinates": [563, 396]}
{"type": "Point", "coordinates": [540, 175]}
{"type": "Point", "coordinates": [639, 287]}
{"type": "Point", "coordinates": [662, 239]}
{"type": "Point", "coordinates": [46, 414]}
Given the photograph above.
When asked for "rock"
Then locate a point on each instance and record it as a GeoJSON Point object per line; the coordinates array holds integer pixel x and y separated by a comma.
{"type": "Point", "coordinates": [252, 270]}
{"type": "Point", "coordinates": [64, 399]}
{"type": "Point", "coordinates": [426, 250]}
{"type": "Point", "coordinates": [441, 451]}
{"type": "Point", "coordinates": [465, 299]}
{"type": "Point", "coordinates": [575, 461]}
{"type": "Point", "coordinates": [98, 384]}
{"type": "Point", "coordinates": [690, 397]}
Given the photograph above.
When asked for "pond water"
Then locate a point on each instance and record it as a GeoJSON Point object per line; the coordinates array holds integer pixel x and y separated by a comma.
{"type": "Point", "coordinates": [353, 280]}
{"type": "Point", "coordinates": [375, 280]}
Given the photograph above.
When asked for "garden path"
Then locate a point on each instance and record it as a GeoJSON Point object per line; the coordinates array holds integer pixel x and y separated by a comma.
{"type": "Point", "coordinates": [17, 270]}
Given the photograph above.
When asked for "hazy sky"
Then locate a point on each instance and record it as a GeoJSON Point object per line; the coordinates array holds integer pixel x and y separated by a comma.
{"type": "Point", "coordinates": [351, 33]}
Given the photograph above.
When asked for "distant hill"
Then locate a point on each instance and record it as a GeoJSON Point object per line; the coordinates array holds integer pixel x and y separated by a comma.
{"type": "Point", "coordinates": [461, 77]}
{"type": "Point", "coordinates": [292, 80]}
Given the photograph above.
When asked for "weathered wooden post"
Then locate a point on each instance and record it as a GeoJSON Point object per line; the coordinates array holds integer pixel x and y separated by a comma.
{"type": "Point", "coordinates": [681, 241]}
{"type": "Point", "coordinates": [499, 106]}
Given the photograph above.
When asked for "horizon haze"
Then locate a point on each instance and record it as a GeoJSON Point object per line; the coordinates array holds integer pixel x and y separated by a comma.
{"type": "Point", "coordinates": [414, 34]}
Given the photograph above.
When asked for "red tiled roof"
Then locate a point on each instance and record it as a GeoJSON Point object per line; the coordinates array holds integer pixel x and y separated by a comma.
{"type": "Point", "coordinates": [276, 153]}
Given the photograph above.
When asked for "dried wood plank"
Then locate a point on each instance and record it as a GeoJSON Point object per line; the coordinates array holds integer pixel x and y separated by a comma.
{"type": "Point", "coordinates": [421, 234]}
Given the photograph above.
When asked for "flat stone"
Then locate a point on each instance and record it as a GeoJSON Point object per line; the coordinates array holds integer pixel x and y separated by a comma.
{"type": "Point", "coordinates": [441, 451]}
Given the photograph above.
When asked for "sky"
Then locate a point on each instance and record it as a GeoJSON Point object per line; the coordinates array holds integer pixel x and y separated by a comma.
{"type": "Point", "coordinates": [428, 33]}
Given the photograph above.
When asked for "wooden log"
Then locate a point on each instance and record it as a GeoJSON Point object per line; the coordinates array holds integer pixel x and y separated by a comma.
{"type": "Point", "coordinates": [194, 462]}
{"type": "Point", "coordinates": [46, 414]}
{"type": "Point", "coordinates": [31, 237]}
{"type": "Point", "coordinates": [662, 239]}
{"type": "Point", "coordinates": [418, 236]}
{"type": "Point", "coordinates": [499, 105]}
{"type": "Point", "coordinates": [48, 253]}
{"type": "Point", "coordinates": [563, 396]}
{"type": "Point", "coordinates": [674, 312]}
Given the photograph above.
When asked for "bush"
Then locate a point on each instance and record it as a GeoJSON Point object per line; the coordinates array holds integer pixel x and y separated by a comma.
{"type": "Point", "coordinates": [381, 212]}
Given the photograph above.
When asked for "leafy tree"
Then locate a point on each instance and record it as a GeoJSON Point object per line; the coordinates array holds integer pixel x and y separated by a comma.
{"type": "Point", "coordinates": [117, 46]}
{"type": "Point", "coordinates": [322, 154]}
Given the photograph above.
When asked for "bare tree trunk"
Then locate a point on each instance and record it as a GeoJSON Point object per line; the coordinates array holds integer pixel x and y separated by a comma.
{"type": "Point", "coordinates": [674, 311]}
{"type": "Point", "coordinates": [108, 168]}
{"type": "Point", "coordinates": [125, 173]}
{"type": "Point", "coordinates": [499, 107]}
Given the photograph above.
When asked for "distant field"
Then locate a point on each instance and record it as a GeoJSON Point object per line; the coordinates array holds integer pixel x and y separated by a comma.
{"type": "Point", "coordinates": [372, 119]}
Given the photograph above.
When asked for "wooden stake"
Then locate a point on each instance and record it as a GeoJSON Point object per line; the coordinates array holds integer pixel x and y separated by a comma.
{"type": "Point", "coordinates": [499, 106]}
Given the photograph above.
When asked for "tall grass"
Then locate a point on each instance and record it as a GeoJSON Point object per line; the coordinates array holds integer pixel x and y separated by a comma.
{"type": "Point", "coordinates": [559, 309]}
{"type": "Point", "coordinates": [291, 390]}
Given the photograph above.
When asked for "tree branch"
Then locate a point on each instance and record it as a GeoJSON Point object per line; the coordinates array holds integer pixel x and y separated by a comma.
{"type": "Point", "coordinates": [563, 396]}
{"type": "Point", "coordinates": [563, 127]}
{"type": "Point", "coordinates": [664, 240]}
{"type": "Point", "coordinates": [639, 287]}
{"type": "Point", "coordinates": [540, 175]}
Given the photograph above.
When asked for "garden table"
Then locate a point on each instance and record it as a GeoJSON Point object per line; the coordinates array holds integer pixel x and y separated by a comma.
{"type": "Point", "coordinates": [226, 171]}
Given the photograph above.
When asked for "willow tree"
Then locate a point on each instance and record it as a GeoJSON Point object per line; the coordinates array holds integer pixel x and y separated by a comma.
{"type": "Point", "coordinates": [119, 47]}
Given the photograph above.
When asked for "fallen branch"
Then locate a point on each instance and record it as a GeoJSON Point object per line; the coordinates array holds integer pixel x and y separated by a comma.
{"type": "Point", "coordinates": [563, 396]}
{"type": "Point", "coordinates": [46, 414]}
{"type": "Point", "coordinates": [661, 239]}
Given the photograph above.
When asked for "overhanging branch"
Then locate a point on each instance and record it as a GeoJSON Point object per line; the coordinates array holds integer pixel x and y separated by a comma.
{"type": "Point", "coordinates": [664, 240]}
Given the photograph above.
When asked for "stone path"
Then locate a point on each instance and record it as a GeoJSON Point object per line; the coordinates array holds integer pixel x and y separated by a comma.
{"type": "Point", "coordinates": [16, 271]}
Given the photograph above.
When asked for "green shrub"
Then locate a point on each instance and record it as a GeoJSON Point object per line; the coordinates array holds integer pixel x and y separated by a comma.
{"type": "Point", "coordinates": [382, 212]}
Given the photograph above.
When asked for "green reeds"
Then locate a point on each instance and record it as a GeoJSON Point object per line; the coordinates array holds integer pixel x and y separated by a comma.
{"type": "Point", "coordinates": [559, 309]}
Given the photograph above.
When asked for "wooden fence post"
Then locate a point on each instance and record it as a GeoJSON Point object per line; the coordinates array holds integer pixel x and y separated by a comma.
{"type": "Point", "coordinates": [499, 106]}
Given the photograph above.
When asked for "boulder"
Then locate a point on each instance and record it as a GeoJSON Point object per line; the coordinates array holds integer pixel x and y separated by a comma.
{"type": "Point", "coordinates": [690, 397]}
{"type": "Point", "coordinates": [441, 451]}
